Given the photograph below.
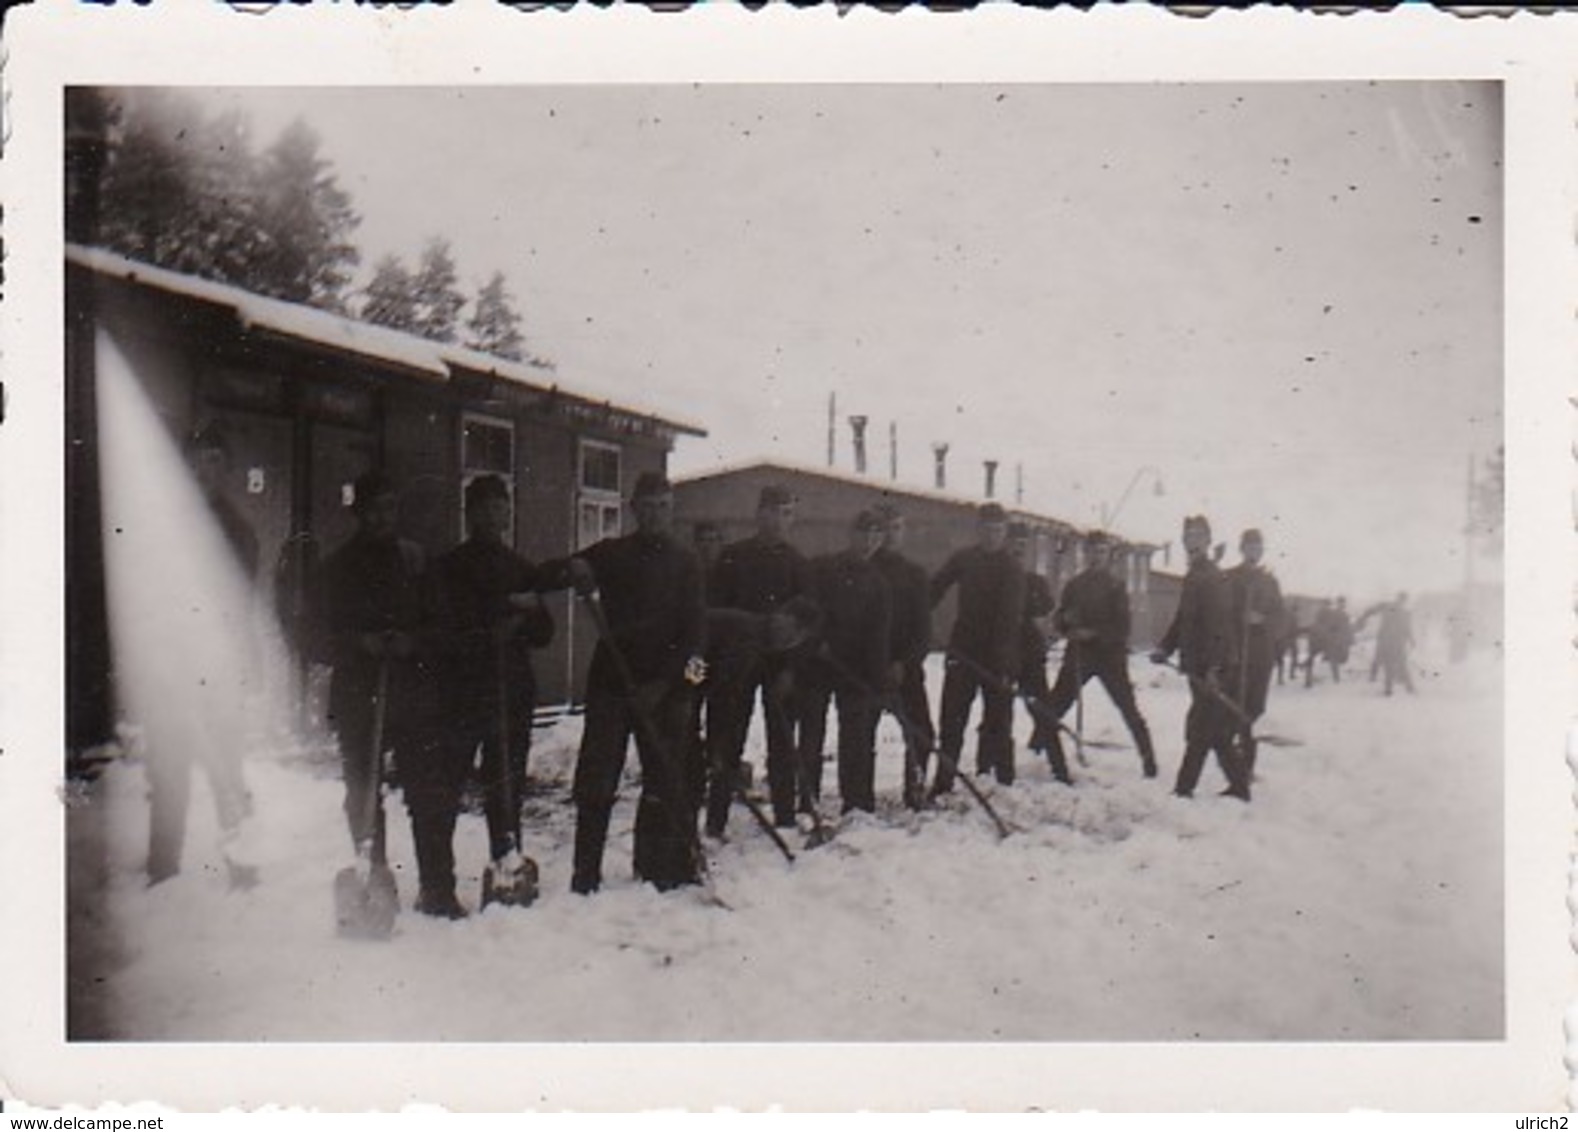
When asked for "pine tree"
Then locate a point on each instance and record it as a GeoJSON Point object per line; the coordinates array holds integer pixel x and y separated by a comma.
{"type": "Point", "coordinates": [494, 325]}
{"type": "Point", "coordinates": [309, 220]}
{"type": "Point", "coordinates": [433, 287]}
{"type": "Point", "coordinates": [390, 296]}
{"type": "Point", "coordinates": [185, 190]}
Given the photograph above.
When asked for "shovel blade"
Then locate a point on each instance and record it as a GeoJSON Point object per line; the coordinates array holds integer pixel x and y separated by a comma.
{"type": "Point", "coordinates": [517, 888]}
{"type": "Point", "coordinates": [365, 910]}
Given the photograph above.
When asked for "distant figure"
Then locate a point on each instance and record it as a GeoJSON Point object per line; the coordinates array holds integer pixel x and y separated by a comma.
{"type": "Point", "coordinates": [758, 574]}
{"type": "Point", "coordinates": [1258, 614]}
{"type": "Point", "coordinates": [1288, 636]}
{"type": "Point", "coordinates": [1094, 617]}
{"type": "Point", "coordinates": [642, 676]}
{"type": "Point", "coordinates": [1339, 639]}
{"type": "Point", "coordinates": [1203, 634]}
{"type": "Point", "coordinates": [983, 648]}
{"type": "Point", "coordinates": [169, 764]}
{"type": "Point", "coordinates": [376, 606]}
{"type": "Point", "coordinates": [1394, 639]}
{"type": "Point", "coordinates": [851, 669]}
{"type": "Point", "coordinates": [908, 647]}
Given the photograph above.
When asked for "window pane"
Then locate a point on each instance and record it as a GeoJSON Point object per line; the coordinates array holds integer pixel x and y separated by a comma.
{"type": "Point", "coordinates": [599, 468]}
{"type": "Point", "coordinates": [488, 447]}
{"type": "Point", "coordinates": [611, 520]}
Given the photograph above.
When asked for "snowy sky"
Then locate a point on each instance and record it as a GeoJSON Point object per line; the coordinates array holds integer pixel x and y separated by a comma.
{"type": "Point", "coordinates": [1282, 300]}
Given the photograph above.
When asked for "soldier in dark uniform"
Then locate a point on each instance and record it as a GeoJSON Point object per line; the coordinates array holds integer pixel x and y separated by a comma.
{"type": "Point", "coordinates": [1032, 672]}
{"type": "Point", "coordinates": [1202, 633]}
{"type": "Point", "coordinates": [169, 763]}
{"type": "Point", "coordinates": [651, 594]}
{"type": "Point", "coordinates": [908, 646]}
{"type": "Point", "coordinates": [737, 644]}
{"type": "Point", "coordinates": [377, 608]}
{"type": "Point", "coordinates": [985, 641]}
{"type": "Point", "coordinates": [1258, 615]}
{"type": "Point", "coordinates": [758, 574]}
{"type": "Point", "coordinates": [1094, 618]}
{"type": "Point", "coordinates": [852, 668]}
{"type": "Point", "coordinates": [491, 620]}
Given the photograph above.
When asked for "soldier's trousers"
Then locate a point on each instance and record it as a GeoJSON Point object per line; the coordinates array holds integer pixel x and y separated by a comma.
{"type": "Point", "coordinates": [914, 716]}
{"type": "Point", "coordinates": [1210, 726]}
{"type": "Point", "coordinates": [1033, 684]}
{"type": "Point", "coordinates": [169, 770]}
{"type": "Point", "coordinates": [476, 725]}
{"type": "Point", "coordinates": [994, 750]}
{"type": "Point", "coordinates": [433, 774]}
{"type": "Point", "coordinates": [665, 841]}
{"type": "Point", "coordinates": [728, 713]}
{"type": "Point", "coordinates": [1111, 667]}
{"type": "Point", "coordinates": [776, 678]}
{"type": "Point", "coordinates": [858, 713]}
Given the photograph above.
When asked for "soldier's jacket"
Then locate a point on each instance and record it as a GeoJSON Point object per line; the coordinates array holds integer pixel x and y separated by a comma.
{"type": "Point", "coordinates": [856, 616]}
{"type": "Point", "coordinates": [371, 586]}
{"type": "Point", "coordinates": [1095, 599]}
{"type": "Point", "coordinates": [756, 575]}
{"type": "Point", "coordinates": [736, 644]}
{"type": "Point", "coordinates": [908, 590]}
{"type": "Point", "coordinates": [1202, 630]}
{"type": "Point", "coordinates": [1254, 589]}
{"type": "Point", "coordinates": [991, 605]}
{"type": "Point", "coordinates": [651, 593]}
{"type": "Point", "coordinates": [473, 584]}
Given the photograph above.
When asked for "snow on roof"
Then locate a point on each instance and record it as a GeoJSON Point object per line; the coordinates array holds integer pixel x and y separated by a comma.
{"type": "Point", "coordinates": [436, 360]}
{"type": "Point", "coordinates": [870, 483]}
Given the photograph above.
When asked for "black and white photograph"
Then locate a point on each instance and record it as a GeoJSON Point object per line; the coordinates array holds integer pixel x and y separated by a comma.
{"type": "Point", "coordinates": [862, 563]}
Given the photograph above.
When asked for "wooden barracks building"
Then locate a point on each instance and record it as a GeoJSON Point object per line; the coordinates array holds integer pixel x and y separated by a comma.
{"type": "Point", "coordinates": [307, 401]}
{"type": "Point", "coordinates": [937, 523]}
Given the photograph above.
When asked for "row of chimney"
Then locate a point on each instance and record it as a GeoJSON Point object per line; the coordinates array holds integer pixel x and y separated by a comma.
{"type": "Point", "coordinates": [939, 450]}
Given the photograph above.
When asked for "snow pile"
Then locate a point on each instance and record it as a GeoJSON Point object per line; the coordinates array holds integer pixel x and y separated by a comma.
{"type": "Point", "coordinates": [1358, 898]}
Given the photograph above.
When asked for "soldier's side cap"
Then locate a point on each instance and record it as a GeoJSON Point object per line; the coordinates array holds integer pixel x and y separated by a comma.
{"type": "Point", "coordinates": [868, 521]}
{"type": "Point", "coordinates": [1018, 529]}
{"type": "Point", "coordinates": [486, 488]}
{"type": "Point", "coordinates": [368, 487]}
{"type": "Point", "coordinates": [992, 513]}
{"type": "Point", "coordinates": [775, 495]}
{"type": "Point", "coordinates": [649, 485]}
{"type": "Point", "coordinates": [1251, 535]}
{"type": "Point", "coordinates": [1197, 521]}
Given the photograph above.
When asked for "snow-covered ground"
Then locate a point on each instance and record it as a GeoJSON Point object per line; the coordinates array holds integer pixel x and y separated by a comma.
{"type": "Point", "coordinates": [1358, 898]}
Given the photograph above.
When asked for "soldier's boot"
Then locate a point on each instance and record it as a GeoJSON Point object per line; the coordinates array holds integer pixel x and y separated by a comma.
{"type": "Point", "coordinates": [591, 832]}
{"type": "Point", "coordinates": [1059, 761]}
{"type": "Point", "coordinates": [1142, 739]}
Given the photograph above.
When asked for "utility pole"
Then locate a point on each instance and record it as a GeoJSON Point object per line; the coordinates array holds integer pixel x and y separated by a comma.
{"type": "Point", "coordinates": [832, 429]}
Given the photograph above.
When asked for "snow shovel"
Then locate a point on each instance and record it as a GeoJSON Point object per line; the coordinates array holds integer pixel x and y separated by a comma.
{"type": "Point", "coordinates": [672, 770]}
{"type": "Point", "coordinates": [1235, 711]}
{"type": "Point", "coordinates": [762, 820]}
{"type": "Point", "coordinates": [513, 880]}
{"type": "Point", "coordinates": [366, 903]}
{"type": "Point", "coordinates": [1037, 707]}
{"type": "Point", "coordinates": [910, 729]}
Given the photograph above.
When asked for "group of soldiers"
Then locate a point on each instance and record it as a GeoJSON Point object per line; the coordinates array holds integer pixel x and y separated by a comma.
{"type": "Point", "coordinates": [432, 662]}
